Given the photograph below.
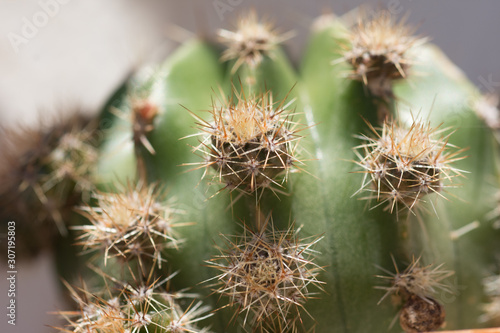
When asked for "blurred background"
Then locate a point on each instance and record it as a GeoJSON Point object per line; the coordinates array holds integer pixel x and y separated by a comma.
{"type": "Point", "coordinates": [55, 54]}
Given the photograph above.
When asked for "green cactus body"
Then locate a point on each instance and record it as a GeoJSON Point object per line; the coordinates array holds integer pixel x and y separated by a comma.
{"type": "Point", "coordinates": [268, 197]}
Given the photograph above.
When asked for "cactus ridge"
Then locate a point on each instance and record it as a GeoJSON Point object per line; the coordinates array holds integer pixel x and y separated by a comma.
{"type": "Point", "coordinates": [250, 142]}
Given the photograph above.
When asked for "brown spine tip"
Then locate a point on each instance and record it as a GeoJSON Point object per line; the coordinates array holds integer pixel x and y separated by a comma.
{"type": "Point", "coordinates": [144, 113]}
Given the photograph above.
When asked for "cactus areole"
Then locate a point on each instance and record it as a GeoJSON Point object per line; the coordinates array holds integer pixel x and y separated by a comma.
{"type": "Point", "coordinates": [236, 193]}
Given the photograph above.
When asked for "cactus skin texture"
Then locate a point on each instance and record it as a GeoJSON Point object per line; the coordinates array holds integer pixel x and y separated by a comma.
{"type": "Point", "coordinates": [266, 170]}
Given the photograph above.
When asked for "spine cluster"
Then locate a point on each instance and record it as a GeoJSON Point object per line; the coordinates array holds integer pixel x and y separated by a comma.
{"type": "Point", "coordinates": [403, 165]}
{"type": "Point", "coordinates": [416, 287]}
{"type": "Point", "coordinates": [251, 42]}
{"type": "Point", "coordinates": [127, 308]}
{"type": "Point", "coordinates": [135, 223]}
{"type": "Point", "coordinates": [266, 275]}
{"type": "Point", "coordinates": [492, 307]}
{"type": "Point", "coordinates": [378, 50]}
{"type": "Point", "coordinates": [250, 142]}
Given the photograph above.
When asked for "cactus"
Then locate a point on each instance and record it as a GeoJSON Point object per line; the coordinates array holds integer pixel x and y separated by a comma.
{"type": "Point", "coordinates": [234, 193]}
